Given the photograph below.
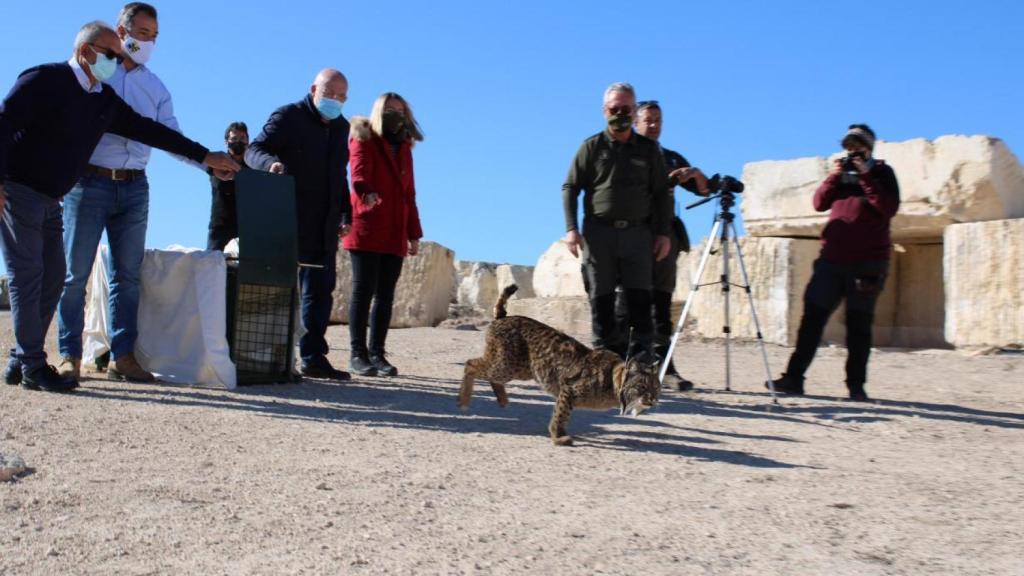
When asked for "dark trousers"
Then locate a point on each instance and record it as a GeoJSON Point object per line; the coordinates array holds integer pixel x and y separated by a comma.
{"type": "Point", "coordinates": [33, 248]}
{"type": "Point", "coordinates": [223, 223]}
{"type": "Point", "coordinates": [859, 284]}
{"type": "Point", "coordinates": [664, 282]}
{"type": "Point", "coordinates": [219, 236]}
{"type": "Point", "coordinates": [374, 277]}
{"type": "Point", "coordinates": [618, 257]}
{"type": "Point", "coordinates": [316, 287]}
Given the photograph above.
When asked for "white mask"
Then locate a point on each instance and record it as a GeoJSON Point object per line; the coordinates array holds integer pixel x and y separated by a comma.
{"type": "Point", "coordinates": [137, 50]}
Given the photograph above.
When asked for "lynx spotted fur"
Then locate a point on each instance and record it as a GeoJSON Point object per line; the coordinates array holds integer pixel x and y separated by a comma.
{"type": "Point", "coordinates": [520, 348]}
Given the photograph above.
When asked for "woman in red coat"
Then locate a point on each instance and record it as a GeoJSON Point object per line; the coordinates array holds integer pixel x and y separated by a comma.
{"type": "Point", "coordinates": [385, 224]}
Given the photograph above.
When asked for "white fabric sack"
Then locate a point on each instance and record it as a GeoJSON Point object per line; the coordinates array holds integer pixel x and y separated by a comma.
{"type": "Point", "coordinates": [182, 317]}
{"type": "Point", "coordinates": [95, 338]}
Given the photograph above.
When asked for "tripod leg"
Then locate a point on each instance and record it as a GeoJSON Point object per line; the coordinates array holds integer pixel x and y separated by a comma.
{"type": "Point", "coordinates": [753, 313]}
{"type": "Point", "coordinates": [724, 281]}
{"type": "Point", "coordinates": [694, 285]}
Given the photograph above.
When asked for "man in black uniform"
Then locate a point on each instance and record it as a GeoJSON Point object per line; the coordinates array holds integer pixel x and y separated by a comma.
{"type": "Point", "coordinates": [223, 212]}
{"type": "Point", "coordinates": [625, 206]}
{"type": "Point", "coordinates": [648, 123]}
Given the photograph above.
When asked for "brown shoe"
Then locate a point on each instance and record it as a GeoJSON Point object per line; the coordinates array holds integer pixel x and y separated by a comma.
{"type": "Point", "coordinates": [127, 368]}
{"type": "Point", "coordinates": [69, 367]}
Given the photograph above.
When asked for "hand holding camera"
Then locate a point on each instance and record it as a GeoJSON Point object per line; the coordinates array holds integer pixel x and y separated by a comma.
{"type": "Point", "coordinates": [854, 162]}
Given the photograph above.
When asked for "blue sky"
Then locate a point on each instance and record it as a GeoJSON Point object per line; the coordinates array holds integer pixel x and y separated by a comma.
{"type": "Point", "coordinates": [506, 91]}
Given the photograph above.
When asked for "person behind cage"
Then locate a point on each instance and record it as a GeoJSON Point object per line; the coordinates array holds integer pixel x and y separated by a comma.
{"type": "Point", "coordinates": [385, 224]}
{"type": "Point", "coordinates": [862, 195]}
{"type": "Point", "coordinates": [223, 208]}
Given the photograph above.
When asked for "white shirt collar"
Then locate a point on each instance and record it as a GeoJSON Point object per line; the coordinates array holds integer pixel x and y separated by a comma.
{"type": "Point", "coordinates": [83, 78]}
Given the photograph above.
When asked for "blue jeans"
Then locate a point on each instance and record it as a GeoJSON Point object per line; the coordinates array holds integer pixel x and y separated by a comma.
{"type": "Point", "coordinates": [34, 254]}
{"type": "Point", "coordinates": [122, 208]}
{"type": "Point", "coordinates": [316, 286]}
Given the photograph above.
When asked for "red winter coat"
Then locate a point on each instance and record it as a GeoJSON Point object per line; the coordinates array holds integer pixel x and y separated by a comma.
{"type": "Point", "coordinates": [390, 225]}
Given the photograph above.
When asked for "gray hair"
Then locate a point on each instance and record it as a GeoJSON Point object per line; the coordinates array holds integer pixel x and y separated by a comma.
{"type": "Point", "coordinates": [620, 87]}
{"type": "Point", "coordinates": [90, 33]}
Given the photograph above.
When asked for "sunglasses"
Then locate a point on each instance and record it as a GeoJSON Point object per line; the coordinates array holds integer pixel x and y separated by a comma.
{"type": "Point", "coordinates": [108, 52]}
{"type": "Point", "coordinates": [647, 104]}
{"type": "Point", "coordinates": [620, 110]}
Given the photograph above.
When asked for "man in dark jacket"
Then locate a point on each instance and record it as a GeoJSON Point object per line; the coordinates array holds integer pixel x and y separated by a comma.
{"type": "Point", "coordinates": [648, 123]}
{"type": "Point", "coordinates": [863, 196]}
{"type": "Point", "coordinates": [50, 123]}
{"type": "Point", "coordinates": [309, 141]}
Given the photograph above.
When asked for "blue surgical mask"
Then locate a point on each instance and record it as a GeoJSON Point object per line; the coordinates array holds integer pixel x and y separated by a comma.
{"type": "Point", "coordinates": [329, 108]}
{"type": "Point", "coordinates": [104, 67]}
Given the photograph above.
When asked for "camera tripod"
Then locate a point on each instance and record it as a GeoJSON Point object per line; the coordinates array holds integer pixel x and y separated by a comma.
{"type": "Point", "coordinates": [725, 231]}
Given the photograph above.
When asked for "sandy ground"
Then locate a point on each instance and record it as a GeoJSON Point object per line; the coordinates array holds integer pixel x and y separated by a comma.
{"type": "Point", "coordinates": [387, 476]}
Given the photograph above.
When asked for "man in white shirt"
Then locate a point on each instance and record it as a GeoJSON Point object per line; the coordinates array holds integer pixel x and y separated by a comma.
{"type": "Point", "coordinates": [114, 196]}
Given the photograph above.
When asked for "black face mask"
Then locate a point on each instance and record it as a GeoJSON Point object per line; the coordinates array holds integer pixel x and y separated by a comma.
{"type": "Point", "coordinates": [620, 122]}
{"type": "Point", "coordinates": [393, 122]}
{"type": "Point", "coordinates": [237, 148]}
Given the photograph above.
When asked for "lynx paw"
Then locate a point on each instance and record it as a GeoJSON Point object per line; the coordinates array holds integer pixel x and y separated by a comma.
{"type": "Point", "coordinates": [562, 440]}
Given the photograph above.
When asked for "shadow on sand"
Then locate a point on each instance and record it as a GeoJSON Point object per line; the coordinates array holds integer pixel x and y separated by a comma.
{"type": "Point", "coordinates": [414, 402]}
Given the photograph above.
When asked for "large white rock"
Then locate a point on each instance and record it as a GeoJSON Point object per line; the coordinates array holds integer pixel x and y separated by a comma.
{"type": "Point", "coordinates": [778, 268]}
{"type": "Point", "coordinates": [424, 290]}
{"type": "Point", "coordinates": [949, 180]}
{"type": "Point", "coordinates": [521, 276]}
{"type": "Point", "coordinates": [558, 273]}
{"type": "Point", "coordinates": [984, 277]}
{"type": "Point", "coordinates": [478, 287]}
{"type": "Point", "coordinates": [570, 314]}
{"type": "Point", "coordinates": [909, 312]}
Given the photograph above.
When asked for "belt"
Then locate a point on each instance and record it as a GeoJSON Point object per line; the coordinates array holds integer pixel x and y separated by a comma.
{"type": "Point", "coordinates": [117, 174]}
{"type": "Point", "coordinates": [621, 223]}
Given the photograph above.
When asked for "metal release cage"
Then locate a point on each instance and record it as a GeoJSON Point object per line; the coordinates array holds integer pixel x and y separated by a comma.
{"type": "Point", "coordinates": [262, 283]}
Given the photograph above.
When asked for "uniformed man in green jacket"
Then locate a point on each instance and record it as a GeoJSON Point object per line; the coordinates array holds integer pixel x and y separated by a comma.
{"type": "Point", "coordinates": [626, 213]}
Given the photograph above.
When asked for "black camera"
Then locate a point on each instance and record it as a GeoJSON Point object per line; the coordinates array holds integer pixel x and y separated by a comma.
{"type": "Point", "coordinates": [724, 184]}
{"type": "Point", "coordinates": [848, 165]}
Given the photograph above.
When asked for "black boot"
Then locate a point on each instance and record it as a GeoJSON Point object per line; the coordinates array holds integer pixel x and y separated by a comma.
{"type": "Point", "coordinates": [361, 365]}
{"type": "Point", "coordinates": [46, 378]}
{"type": "Point", "coordinates": [12, 375]}
{"type": "Point", "coordinates": [321, 368]}
{"type": "Point", "coordinates": [674, 380]}
{"type": "Point", "coordinates": [384, 368]}
{"type": "Point", "coordinates": [788, 385]}
{"type": "Point", "coordinates": [857, 393]}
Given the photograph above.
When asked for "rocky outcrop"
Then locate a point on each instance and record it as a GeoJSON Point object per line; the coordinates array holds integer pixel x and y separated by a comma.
{"type": "Point", "coordinates": [570, 314]}
{"type": "Point", "coordinates": [778, 269]}
{"type": "Point", "coordinates": [478, 285]}
{"type": "Point", "coordinates": [521, 276]}
{"type": "Point", "coordinates": [557, 273]}
{"type": "Point", "coordinates": [909, 312]}
{"type": "Point", "coordinates": [424, 291]}
{"type": "Point", "coordinates": [984, 277]}
{"type": "Point", "coordinates": [949, 180]}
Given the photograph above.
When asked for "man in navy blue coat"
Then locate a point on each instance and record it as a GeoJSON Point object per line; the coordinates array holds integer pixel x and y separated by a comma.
{"type": "Point", "coordinates": [50, 123]}
{"type": "Point", "coordinates": [309, 141]}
